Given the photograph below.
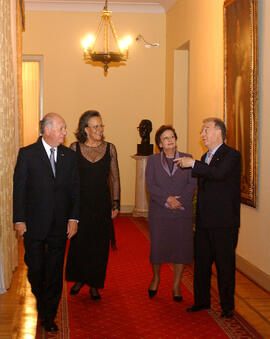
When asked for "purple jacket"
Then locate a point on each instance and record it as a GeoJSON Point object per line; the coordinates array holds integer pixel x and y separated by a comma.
{"type": "Point", "coordinates": [161, 184]}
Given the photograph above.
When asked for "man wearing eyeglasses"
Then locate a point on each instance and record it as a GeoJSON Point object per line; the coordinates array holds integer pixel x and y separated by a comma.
{"type": "Point", "coordinates": [217, 216]}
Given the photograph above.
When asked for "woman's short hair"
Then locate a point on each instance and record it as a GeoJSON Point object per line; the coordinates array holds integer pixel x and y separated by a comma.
{"type": "Point", "coordinates": [161, 130]}
{"type": "Point", "coordinates": [80, 134]}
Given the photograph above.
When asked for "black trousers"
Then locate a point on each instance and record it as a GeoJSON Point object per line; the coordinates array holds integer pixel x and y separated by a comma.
{"type": "Point", "coordinates": [215, 245]}
{"type": "Point", "coordinates": [45, 260]}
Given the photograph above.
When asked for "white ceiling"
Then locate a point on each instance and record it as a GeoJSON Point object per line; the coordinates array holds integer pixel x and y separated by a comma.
{"type": "Point", "coordinates": [140, 6]}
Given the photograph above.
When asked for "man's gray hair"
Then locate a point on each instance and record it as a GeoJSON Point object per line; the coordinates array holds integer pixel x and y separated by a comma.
{"type": "Point", "coordinates": [219, 124]}
{"type": "Point", "coordinates": [47, 121]}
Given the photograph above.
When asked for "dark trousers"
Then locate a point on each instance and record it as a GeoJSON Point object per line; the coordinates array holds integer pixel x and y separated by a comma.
{"type": "Point", "coordinates": [45, 260]}
{"type": "Point", "coordinates": [215, 245]}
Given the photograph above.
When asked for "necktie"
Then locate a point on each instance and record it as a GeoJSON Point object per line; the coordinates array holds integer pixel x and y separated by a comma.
{"type": "Point", "coordinates": [209, 158]}
{"type": "Point", "coordinates": [52, 161]}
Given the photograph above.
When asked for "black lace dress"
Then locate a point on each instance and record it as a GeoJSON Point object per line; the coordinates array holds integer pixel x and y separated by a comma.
{"type": "Point", "coordinates": [89, 248]}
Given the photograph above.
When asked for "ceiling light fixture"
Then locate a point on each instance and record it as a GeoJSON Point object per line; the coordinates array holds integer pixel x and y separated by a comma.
{"type": "Point", "coordinates": [113, 49]}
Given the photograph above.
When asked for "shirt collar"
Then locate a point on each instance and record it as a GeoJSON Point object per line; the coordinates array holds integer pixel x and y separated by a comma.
{"type": "Point", "coordinates": [215, 149]}
{"type": "Point", "coordinates": [48, 148]}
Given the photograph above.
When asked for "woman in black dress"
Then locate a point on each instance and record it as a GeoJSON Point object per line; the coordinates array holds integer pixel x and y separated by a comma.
{"type": "Point", "coordinates": [99, 204]}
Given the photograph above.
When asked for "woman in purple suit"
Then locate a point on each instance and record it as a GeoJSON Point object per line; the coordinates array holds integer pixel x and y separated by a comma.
{"type": "Point", "coordinates": [170, 210]}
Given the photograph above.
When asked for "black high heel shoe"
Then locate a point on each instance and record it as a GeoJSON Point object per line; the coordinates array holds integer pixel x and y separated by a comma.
{"type": "Point", "coordinates": [177, 298]}
{"type": "Point", "coordinates": [94, 294]}
{"type": "Point", "coordinates": [75, 289]}
{"type": "Point", "coordinates": [151, 293]}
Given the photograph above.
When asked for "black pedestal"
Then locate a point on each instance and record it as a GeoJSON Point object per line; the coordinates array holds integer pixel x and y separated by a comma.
{"type": "Point", "coordinates": [144, 149]}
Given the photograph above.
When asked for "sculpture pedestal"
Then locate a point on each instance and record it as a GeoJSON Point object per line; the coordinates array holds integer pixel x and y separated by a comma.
{"type": "Point", "coordinates": [141, 199]}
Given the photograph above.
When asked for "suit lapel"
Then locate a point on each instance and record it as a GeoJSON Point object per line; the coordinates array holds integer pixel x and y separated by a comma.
{"type": "Point", "coordinates": [60, 161]}
{"type": "Point", "coordinates": [59, 166]}
{"type": "Point", "coordinates": [164, 163]}
{"type": "Point", "coordinates": [203, 157]}
{"type": "Point", "coordinates": [223, 149]}
{"type": "Point", "coordinates": [202, 179]}
{"type": "Point", "coordinates": [219, 154]}
{"type": "Point", "coordinates": [43, 155]}
{"type": "Point", "coordinates": [165, 166]}
{"type": "Point", "coordinates": [175, 166]}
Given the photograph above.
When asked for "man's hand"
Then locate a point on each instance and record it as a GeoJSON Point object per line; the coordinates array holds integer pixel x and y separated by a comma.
{"type": "Point", "coordinates": [20, 227]}
{"type": "Point", "coordinates": [173, 202]}
{"type": "Point", "coordinates": [115, 213]}
{"type": "Point", "coordinates": [72, 228]}
{"type": "Point", "coordinates": [184, 162]}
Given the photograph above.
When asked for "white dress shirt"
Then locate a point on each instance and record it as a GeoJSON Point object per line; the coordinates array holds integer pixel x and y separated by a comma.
{"type": "Point", "coordinates": [48, 149]}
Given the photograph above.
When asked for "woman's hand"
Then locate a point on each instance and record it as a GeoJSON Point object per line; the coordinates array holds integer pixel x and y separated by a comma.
{"type": "Point", "coordinates": [173, 202]}
{"type": "Point", "coordinates": [114, 213]}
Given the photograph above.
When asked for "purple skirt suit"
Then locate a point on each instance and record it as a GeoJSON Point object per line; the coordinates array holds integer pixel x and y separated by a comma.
{"type": "Point", "coordinates": [171, 232]}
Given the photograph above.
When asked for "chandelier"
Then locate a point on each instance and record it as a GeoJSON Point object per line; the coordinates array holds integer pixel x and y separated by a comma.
{"type": "Point", "coordinates": [110, 48]}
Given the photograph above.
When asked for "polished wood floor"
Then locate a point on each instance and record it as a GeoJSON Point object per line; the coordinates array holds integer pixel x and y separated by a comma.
{"type": "Point", "coordinates": [18, 313]}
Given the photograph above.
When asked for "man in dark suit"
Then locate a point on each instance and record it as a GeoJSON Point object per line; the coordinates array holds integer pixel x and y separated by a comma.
{"type": "Point", "coordinates": [217, 216]}
{"type": "Point", "coordinates": [45, 212]}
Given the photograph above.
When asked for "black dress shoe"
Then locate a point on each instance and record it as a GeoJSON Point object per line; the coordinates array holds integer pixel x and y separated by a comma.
{"type": "Point", "coordinates": [196, 308]}
{"type": "Point", "coordinates": [227, 314]}
{"type": "Point", "coordinates": [94, 294]}
{"type": "Point", "coordinates": [41, 314]}
{"type": "Point", "coordinates": [75, 289]}
{"type": "Point", "coordinates": [50, 326]}
{"type": "Point", "coordinates": [151, 293]}
{"type": "Point", "coordinates": [40, 310]}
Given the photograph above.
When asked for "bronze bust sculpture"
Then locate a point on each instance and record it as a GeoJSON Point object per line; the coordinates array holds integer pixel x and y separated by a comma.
{"type": "Point", "coordinates": [145, 128]}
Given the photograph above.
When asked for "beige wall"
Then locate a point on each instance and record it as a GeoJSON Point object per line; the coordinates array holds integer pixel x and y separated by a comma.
{"type": "Point", "coordinates": [137, 90]}
{"type": "Point", "coordinates": [201, 23]}
{"type": "Point", "coordinates": [127, 95]}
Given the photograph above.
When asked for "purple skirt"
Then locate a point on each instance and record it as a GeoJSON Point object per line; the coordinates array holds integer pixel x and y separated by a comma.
{"type": "Point", "coordinates": [171, 240]}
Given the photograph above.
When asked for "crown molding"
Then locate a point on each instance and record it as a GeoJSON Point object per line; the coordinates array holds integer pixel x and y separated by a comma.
{"type": "Point", "coordinates": [92, 6]}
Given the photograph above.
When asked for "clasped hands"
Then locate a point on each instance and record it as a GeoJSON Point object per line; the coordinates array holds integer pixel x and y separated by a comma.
{"type": "Point", "coordinates": [173, 203]}
{"type": "Point", "coordinates": [184, 162]}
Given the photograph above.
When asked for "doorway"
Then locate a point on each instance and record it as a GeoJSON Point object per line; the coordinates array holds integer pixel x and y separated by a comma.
{"type": "Point", "coordinates": [32, 88]}
{"type": "Point", "coordinates": [181, 95]}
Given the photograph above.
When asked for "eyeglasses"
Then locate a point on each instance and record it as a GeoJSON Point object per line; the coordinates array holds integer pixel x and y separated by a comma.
{"type": "Point", "coordinates": [96, 127]}
{"type": "Point", "coordinates": [168, 138]}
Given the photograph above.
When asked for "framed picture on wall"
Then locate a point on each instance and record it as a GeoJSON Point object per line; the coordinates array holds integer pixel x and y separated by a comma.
{"type": "Point", "coordinates": [241, 89]}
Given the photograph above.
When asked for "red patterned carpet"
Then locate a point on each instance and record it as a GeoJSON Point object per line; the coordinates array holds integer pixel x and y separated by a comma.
{"type": "Point", "coordinates": [125, 311]}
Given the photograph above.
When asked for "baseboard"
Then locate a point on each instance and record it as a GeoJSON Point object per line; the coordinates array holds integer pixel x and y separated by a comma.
{"type": "Point", "coordinates": [126, 209]}
{"type": "Point", "coordinates": [253, 273]}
